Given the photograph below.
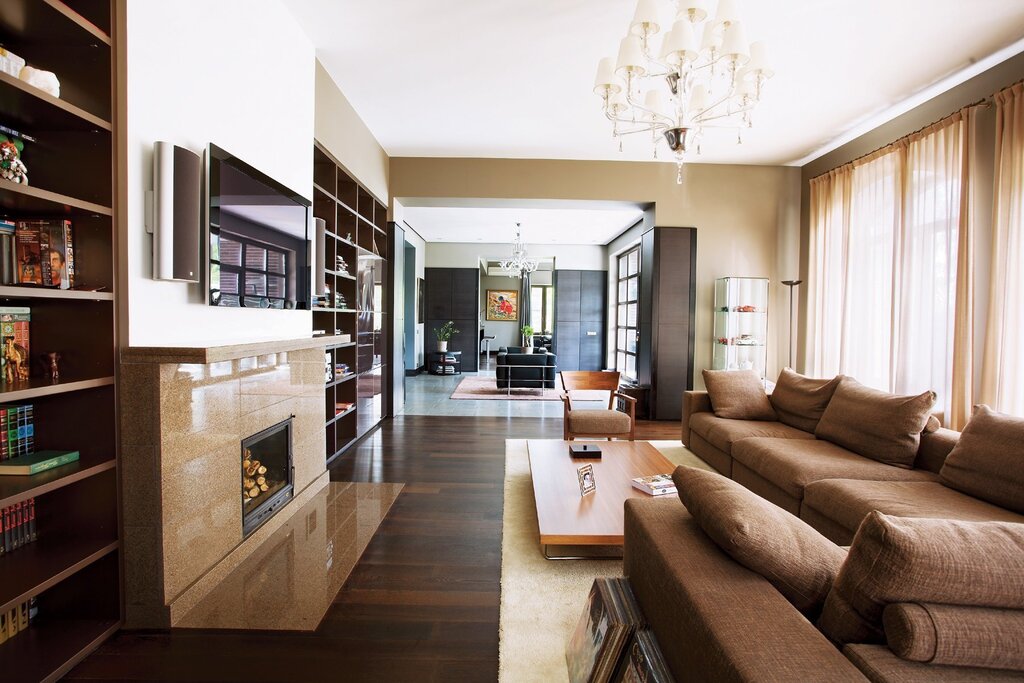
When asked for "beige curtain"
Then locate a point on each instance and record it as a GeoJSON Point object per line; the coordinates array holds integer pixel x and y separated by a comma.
{"type": "Point", "coordinates": [889, 233]}
{"type": "Point", "coordinates": [1002, 375]}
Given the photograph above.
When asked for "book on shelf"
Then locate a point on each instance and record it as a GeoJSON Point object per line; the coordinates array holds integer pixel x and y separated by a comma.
{"type": "Point", "coordinates": [14, 323]}
{"type": "Point", "coordinates": [61, 254]}
{"type": "Point", "coordinates": [606, 626]}
{"type": "Point", "coordinates": [32, 248]}
{"type": "Point", "coordinates": [8, 260]}
{"type": "Point", "coordinates": [37, 462]}
{"type": "Point", "coordinates": [17, 431]}
{"type": "Point", "coordinates": [643, 661]}
{"type": "Point", "coordinates": [18, 524]}
{"type": "Point", "coordinates": [655, 485]}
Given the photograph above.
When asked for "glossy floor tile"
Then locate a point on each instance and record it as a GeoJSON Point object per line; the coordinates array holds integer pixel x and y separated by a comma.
{"type": "Point", "coordinates": [427, 394]}
{"type": "Point", "coordinates": [288, 584]}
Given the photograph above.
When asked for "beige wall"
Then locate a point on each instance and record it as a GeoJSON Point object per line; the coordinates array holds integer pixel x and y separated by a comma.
{"type": "Point", "coordinates": [747, 217]}
{"type": "Point", "coordinates": [338, 128]}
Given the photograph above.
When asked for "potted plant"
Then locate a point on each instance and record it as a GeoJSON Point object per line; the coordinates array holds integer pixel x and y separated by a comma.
{"type": "Point", "coordinates": [527, 331]}
{"type": "Point", "coordinates": [444, 334]}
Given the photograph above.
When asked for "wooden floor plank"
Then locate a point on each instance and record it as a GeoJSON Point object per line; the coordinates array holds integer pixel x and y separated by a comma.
{"type": "Point", "coordinates": [421, 604]}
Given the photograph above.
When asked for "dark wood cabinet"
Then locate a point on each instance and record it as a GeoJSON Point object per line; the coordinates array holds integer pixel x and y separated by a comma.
{"type": "Point", "coordinates": [454, 294]}
{"type": "Point", "coordinates": [72, 571]}
{"type": "Point", "coordinates": [581, 315]}
{"type": "Point", "coordinates": [668, 296]}
{"type": "Point", "coordinates": [357, 244]}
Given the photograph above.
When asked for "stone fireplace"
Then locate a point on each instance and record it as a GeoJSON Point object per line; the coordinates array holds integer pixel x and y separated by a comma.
{"type": "Point", "coordinates": [188, 416]}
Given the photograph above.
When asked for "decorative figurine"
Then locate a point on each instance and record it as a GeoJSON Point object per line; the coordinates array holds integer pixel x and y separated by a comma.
{"type": "Point", "coordinates": [11, 166]}
{"type": "Point", "coordinates": [51, 361]}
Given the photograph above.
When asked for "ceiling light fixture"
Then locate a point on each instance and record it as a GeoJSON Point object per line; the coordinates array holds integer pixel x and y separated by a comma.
{"type": "Point", "coordinates": [702, 74]}
{"type": "Point", "coordinates": [519, 264]}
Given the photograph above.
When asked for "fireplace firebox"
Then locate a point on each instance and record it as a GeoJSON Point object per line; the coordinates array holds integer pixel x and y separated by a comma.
{"type": "Point", "coordinates": [267, 474]}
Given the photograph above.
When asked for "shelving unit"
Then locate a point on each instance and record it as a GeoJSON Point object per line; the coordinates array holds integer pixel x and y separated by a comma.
{"type": "Point", "coordinates": [73, 569]}
{"type": "Point", "coordinates": [356, 232]}
{"type": "Point", "coordinates": [741, 324]}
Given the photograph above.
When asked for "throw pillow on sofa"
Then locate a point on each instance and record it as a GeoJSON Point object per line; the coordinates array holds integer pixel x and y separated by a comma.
{"type": "Point", "coordinates": [900, 559]}
{"type": "Point", "coordinates": [988, 460]}
{"type": "Point", "coordinates": [801, 401]}
{"type": "Point", "coordinates": [738, 395]}
{"type": "Point", "coordinates": [876, 424]}
{"type": "Point", "coordinates": [956, 635]}
{"type": "Point", "coordinates": [795, 558]}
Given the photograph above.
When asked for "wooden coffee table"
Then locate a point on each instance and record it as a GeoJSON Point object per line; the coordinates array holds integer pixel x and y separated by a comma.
{"type": "Point", "coordinates": [564, 516]}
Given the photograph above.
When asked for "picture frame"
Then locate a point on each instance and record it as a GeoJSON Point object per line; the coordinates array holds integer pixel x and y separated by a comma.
{"type": "Point", "coordinates": [587, 482]}
{"type": "Point", "coordinates": [502, 305]}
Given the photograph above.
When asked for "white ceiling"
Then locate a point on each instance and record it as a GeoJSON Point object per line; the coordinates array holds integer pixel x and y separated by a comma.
{"type": "Point", "coordinates": [512, 79]}
{"type": "Point", "coordinates": [539, 225]}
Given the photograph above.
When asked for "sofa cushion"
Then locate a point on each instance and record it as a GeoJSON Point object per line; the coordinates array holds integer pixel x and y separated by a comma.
{"type": "Point", "coordinates": [701, 600]}
{"type": "Point", "coordinates": [722, 433]}
{"type": "Point", "coordinates": [876, 424]}
{"type": "Point", "coordinates": [801, 401]}
{"type": "Point", "coordinates": [988, 461]}
{"type": "Point", "coordinates": [896, 559]}
{"type": "Point", "coordinates": [881, 665]}
{"type": "Point", "coordinates": [598, 422]}
{"type": "Point", "coordinates": [738, 395]}
{"type": "Point", "coordinates": [796, 559]}
{"type": "Point", "coordinates": [848, 502]}
{"type": "Point", "coordinates": [792, 464]}
{"type": "Point", "coordinates": [956, 635]}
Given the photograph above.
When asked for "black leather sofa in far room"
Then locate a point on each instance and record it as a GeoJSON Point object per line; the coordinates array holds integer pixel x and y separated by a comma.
{"type": "Point", "coordinates": [518, 370]}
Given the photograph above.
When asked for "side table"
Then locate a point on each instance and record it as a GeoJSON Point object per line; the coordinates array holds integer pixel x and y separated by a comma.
{"type": "Point", "coordinates": [445, 362]}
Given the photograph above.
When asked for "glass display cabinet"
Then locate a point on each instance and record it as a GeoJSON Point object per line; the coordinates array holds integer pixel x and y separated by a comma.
{"type": "Point", "coordinates": [741, 324]}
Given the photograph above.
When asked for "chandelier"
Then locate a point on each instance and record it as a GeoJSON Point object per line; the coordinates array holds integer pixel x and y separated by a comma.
{"type": "Point", "coordinates": [699, 74]}
{"type": "Point", "coordinates": [519, 265]}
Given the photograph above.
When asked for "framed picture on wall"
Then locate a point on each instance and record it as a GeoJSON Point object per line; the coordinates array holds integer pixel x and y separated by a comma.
{"type": "Point", "coordinates": [502, 305]}
{"type": "Point", "coordinates": [421, 300]}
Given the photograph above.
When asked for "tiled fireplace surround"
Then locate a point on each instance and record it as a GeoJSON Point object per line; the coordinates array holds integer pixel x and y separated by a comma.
{"type": "Point", "coordinates": [184, 413]}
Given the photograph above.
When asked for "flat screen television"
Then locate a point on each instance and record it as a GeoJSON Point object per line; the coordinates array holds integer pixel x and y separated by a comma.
{"type": "Point", "coordinates": [258, 250]}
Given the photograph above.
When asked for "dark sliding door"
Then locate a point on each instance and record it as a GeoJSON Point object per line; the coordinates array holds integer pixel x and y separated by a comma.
{"type": "Point", "coordinates": [580, 318]}
{"type": "Point", "coordinates": [454, 294]}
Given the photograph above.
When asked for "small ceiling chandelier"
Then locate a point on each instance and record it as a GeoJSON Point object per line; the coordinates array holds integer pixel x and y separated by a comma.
{"type": "Point", "coordinates": [700, 74]}
{"type": "Point", "coordinates": [519, 264]}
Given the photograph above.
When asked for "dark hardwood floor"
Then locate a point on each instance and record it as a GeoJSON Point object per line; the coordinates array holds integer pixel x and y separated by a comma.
{"type": "Point", "coordinates": [422, 603]}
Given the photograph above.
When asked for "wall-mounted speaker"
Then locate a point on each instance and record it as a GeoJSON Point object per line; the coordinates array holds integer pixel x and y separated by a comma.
{"type": "Point", "coordinates": [320, 262]}
{"type": "Point", "coordinates": [174, 213]}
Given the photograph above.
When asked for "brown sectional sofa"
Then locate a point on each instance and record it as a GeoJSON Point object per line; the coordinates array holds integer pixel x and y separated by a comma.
{"type": "Point", "coordinates": [717, 620]}
{"type": "Point", "coordinates": [828, 486]}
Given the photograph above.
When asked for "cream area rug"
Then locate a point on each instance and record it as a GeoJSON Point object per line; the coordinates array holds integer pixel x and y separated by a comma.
{"type": "Point", "coordinates": [541, 600]}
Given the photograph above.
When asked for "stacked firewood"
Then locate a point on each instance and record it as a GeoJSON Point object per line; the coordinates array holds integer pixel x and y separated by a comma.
{"type": "Point", "coordinates": [254, 482]}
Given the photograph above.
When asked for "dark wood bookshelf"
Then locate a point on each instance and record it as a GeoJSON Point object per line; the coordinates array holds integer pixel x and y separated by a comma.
{"type": "Point", "coordinates": [357, 232]}
{"type": "Point", "coordinates": [73, 570]}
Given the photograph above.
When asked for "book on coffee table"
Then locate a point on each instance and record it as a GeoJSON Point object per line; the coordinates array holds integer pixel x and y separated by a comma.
{"type": "Point", "coordinates": [655, 485]}
{"type": "Point", "coordinates": [609, 621]}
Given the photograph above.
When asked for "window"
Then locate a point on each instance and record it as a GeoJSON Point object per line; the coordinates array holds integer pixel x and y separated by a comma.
{"type": "Point", "coordinates": [542, 308]}
{"type": "Point", "coordinates": [250, 274]}
{"type": "Point", "coordinates": [627, 305]}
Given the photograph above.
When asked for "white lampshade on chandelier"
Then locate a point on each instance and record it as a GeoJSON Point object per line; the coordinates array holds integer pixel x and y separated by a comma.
{"type": "Point", "coordinates": [519, 264]}
{"type": "Point", "coordinates": [679, 80]}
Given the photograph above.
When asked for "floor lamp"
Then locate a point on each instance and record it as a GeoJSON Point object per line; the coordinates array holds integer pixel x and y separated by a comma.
{"type": "Point", "coordinates": [791, 284]}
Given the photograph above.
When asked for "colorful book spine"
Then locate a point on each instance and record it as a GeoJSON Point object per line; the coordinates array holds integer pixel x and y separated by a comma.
{"type": "Point", "coordinates": [60, 255]}
{"type": "Point", "coordinates": [17, 430]}
{"type": "Point", "coordinates": [7, 253]}
{"type": "Point", "coordinates": [4, 449]}
{"type": "Point", "coordinates": [14, 326]}
{"type": "Point", "coordinates": [32, 248]}
{"type": "Point", "coordinates": [19, 525]}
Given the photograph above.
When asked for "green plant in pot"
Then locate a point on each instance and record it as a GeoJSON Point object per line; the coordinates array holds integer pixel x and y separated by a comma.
{"type": "Point", "coordinates": [444, 335]}
{"type": "Point", "coordinates": [527, 331]}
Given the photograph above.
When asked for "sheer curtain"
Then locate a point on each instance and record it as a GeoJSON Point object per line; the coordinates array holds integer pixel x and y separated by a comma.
{"type": "Point", "coordinates": [1002, 380]}
{"type": "Point", "coordinates": [885, 242]}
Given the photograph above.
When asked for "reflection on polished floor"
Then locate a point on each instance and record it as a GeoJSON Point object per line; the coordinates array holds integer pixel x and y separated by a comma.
{"type": "Point", "coordinates": [291, 580]}
{"type": "Point", "coordinates": [427, 394]}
